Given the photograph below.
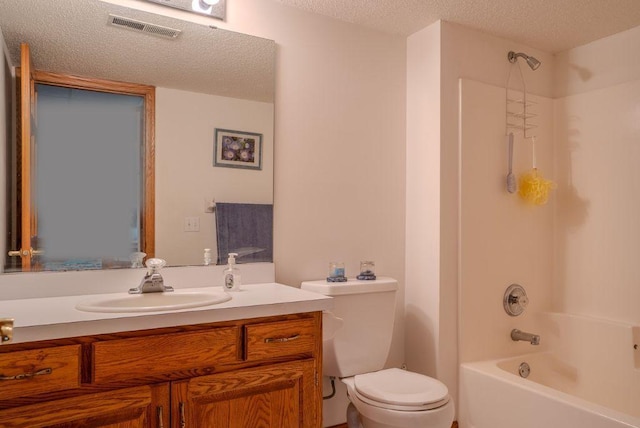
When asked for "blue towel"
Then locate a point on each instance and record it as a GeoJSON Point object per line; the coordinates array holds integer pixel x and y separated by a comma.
{"type": "Point", "coordinates": [246, 229]}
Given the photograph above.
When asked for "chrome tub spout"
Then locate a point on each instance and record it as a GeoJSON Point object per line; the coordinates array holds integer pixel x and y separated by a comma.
{"type": "Point", "coordinates": [517, 335]}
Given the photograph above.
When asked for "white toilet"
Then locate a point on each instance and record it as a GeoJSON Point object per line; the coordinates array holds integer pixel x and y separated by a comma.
{"type": "Point", "coordinates": [356, 341]}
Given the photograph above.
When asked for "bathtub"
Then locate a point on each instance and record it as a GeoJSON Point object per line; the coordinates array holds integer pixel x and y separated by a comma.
{"type": "Point", "coordinates": [588, 378]}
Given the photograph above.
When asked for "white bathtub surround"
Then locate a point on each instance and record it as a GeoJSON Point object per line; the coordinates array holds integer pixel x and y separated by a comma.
{"type": "Point", "coordinates": [504, 240]}
{"type": "Point", "coordinates": [598, 359]}
{"type": "Point", "coordinates": [494, 398]}
{"type": "Point", "coordinates": [587, 379]}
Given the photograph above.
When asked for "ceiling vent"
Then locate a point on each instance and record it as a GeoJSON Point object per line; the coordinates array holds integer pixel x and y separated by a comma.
{"type": "Point", "coordinates": [144, 27]}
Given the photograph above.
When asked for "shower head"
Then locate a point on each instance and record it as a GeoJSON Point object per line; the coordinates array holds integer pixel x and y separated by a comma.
{"type": "Point", "coordinates": [533, 62]}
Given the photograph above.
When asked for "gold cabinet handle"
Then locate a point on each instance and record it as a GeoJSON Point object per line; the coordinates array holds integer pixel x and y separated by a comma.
{"type": "Point", "coordinates": [281, 339]}
{"type": "Point", "coordinates": [21, 376]}
{"type": "Point", "coordinates": [159, 411]}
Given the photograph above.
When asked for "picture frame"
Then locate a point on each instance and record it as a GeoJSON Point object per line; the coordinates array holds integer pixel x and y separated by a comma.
{"type": "Point", "coordinates": [237, 149]}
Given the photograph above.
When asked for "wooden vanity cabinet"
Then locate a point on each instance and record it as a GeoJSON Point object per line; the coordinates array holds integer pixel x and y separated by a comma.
{"type": "Point", "coordinates": [137, 407]}
{"type": "Point", "coordinates": [275, 396]}
{"type": "Point", "coordinates": [254, 373]}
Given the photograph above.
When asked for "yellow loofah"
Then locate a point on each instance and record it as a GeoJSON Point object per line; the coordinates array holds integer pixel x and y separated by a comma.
{"type": "Point", "coordinates": [534, 188]}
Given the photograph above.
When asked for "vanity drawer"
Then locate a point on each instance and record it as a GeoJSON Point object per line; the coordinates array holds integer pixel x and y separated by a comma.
{"type": "Point", "coordinates": [25, 373]}
{"type": "Point", "coordinates": [149, 356]}
{"type": "Point", "coordinates": [279, 339]}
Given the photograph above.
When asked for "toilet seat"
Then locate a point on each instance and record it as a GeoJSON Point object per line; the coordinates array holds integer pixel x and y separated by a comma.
{"type": "Point", "coordinates": [398, 389]}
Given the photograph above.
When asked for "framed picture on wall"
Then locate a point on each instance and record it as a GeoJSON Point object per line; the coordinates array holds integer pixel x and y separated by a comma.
{"type": "Point", "coordinates": [237, 149]}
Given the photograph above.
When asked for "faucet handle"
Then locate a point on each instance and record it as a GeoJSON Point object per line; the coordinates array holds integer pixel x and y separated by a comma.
{"type": "Point", "coordinates": [152, 281]}
{"type": "Point", "coordinates": [155, 264]}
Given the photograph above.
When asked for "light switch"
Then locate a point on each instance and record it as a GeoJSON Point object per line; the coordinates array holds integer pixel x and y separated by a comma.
{"type": "Point", "coordinates": [192, 224]}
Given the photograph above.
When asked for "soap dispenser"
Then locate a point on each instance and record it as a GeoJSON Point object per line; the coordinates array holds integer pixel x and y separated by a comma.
{"type": "Point", "coordinates": [232, 274]}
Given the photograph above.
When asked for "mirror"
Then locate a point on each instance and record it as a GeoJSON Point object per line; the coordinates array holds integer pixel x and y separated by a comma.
{"type": "Point", "coordinates": [206, 79]}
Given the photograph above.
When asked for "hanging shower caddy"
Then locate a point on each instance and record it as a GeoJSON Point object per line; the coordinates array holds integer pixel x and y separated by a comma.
{"type": "Point", "coordinates": [532, 186]}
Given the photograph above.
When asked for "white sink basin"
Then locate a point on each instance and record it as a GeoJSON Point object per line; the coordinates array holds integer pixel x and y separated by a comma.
{"type": "Point", "coordinates": [149, 302]}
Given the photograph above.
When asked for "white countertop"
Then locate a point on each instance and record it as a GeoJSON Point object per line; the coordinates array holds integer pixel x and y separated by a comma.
{"type": "Point", "coordinates": [57, 317]}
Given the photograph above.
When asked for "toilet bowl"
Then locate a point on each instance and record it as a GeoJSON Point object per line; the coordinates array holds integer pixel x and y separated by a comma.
{"type": "Point", "coordinates": [356, 341]}
{"type": "Point", "coordinates": [395, 398]}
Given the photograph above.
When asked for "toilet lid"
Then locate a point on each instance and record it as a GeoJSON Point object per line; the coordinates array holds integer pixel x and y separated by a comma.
{"type": "Point", "coordinates": [398, 387]}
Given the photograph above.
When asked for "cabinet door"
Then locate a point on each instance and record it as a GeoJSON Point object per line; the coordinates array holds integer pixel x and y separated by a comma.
{"type": "Point", "coordinates": [274, 396]}
{"type": "Point", "coordinates": [139, 407]}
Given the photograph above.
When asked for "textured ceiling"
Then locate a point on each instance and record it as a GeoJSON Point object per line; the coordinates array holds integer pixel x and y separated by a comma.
{"type": "Point", "coordinates": [548, 25]}
{"type": "Point", "coordinates": [72, 37]}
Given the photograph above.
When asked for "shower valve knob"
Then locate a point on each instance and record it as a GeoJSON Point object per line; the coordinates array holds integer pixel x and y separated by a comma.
{"type": "Point", "coordinates": [515, 300]}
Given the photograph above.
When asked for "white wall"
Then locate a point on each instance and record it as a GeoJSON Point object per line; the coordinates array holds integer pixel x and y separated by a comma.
{"type": "Point", "coordinates": [597, 239]}
{"type": "Point", "coordinates": [186, 177]}
{"type": "Point", "coordinates": [340, 132]}
{"type": "Point", "coordinates": [598, 65]}
{"type": "Point", "coordinates": [422, 297]}
{"type": "Point", "coordinates": [339, 150]}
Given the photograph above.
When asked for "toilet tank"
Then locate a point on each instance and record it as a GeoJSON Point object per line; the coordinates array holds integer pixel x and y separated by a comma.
{"type": "Point", "coordinates": [357, 331]}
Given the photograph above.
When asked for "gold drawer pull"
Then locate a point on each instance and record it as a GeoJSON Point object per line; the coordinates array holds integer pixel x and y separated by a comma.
{"type": "Point", "coordinates": [281, 339]}
{"type": "Point", "coordinates": [46, 371]}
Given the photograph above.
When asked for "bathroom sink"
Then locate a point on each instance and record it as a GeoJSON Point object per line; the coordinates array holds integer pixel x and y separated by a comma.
{"type": "Point", "coordinates": [149, 302]}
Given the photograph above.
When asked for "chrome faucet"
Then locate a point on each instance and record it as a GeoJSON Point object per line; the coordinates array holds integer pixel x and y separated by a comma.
{"type": "Point", "coordinates": [152, 281]}
{"type": "Point", "coordinates": [516, 335]}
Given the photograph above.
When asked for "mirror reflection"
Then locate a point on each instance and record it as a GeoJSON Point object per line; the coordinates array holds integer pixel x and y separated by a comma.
{"type": "Point", "coordinates": [205, 80]}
